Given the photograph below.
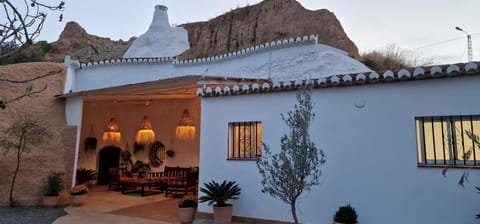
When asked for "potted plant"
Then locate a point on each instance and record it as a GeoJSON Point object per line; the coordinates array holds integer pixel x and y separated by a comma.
{"type": "Point", "coordinates": [345, 215]}
{"type": "Point", "coordinates": [79, 194]}
{"type": "Point", "coordinates": [187, 207]}
{"type": "Point", "coordinates": [52, 185]}
{"type": "Point", "coordinates": [219, 194]}
{"type": "Point", "coordinates": [139, 168]}
{"type": "Point", "coordinates": [85, 176]}
{"type": "Point", "coordinates": [134, 169]}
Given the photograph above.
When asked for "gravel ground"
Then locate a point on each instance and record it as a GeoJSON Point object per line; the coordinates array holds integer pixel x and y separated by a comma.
{"type": "Point", "coordinates": [29, 215]}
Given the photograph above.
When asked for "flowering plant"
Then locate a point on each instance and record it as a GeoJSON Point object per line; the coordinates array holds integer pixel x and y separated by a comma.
{"type": "Point", "coordinates": [78, 190]}
{"type": "Point", "coordinates": [188, 201]}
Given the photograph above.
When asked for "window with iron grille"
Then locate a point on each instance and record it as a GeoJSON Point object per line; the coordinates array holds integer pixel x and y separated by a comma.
{"type": "Point", "coordinates": [245, 140]}
{"type": "Point", "coordinates": [448, 141]}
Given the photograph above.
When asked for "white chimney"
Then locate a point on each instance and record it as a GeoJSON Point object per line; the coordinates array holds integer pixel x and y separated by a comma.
{"type": "Point", "coordinates": [160, 18]}
{"type": "Point", "coordinates": [160, 40]}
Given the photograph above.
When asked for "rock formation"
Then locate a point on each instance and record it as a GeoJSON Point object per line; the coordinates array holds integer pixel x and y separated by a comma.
{"type": "Point", "coordinates": [75, 41]}
{"type": "Point", "coordinates": [55, 154]}
{"type": "Point", "coordinates": [264, 22]}
{"type": "Point", "coordinates": [241, 28]}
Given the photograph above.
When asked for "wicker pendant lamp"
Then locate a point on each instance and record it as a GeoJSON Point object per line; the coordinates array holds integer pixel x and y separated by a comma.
{"type": "Point", "coordinates": [185, 129]}
{"type": "Point", "coordinates": [112, 132]}
{"type": "Point", "coordinates": [145, 134]}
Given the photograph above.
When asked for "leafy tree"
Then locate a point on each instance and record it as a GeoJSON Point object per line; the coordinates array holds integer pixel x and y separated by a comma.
{"type": "Point", "coordinates": [295, 168]}
{"type": "Point", "coordinates": [22, 22]}
{"type": "Point", "coordinates": [18, 138]}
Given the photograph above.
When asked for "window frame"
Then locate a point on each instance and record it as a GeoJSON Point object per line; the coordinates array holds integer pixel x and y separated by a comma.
{"type": "Point", "coordinates": [234, 150]}
{"type": "Point", "coordinates": [450, 131]}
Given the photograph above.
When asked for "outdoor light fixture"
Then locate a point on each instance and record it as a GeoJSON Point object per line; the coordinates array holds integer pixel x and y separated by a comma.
{"type": "Point", "coordinates": [112, 131]}
{"type": "Point", "coordinates": [145, 133]}
{"type": "Point", "coordinates": [469, 43]}
{"type": "Point", "coordinates": [185, 129]}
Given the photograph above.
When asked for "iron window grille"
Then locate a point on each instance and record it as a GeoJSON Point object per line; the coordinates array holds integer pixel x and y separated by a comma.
{"type": "Point", "coordinates": [245, 140]}
{"type": "Point", "coordinates": [448, 141]}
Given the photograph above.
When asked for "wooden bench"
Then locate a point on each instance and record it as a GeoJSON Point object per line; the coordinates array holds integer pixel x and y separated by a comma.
{"type": "Point", "coordinates": [184, 179]}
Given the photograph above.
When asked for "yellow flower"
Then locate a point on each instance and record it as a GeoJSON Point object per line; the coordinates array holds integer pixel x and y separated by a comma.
{"type": "Point", "coordinates": [79, 189]}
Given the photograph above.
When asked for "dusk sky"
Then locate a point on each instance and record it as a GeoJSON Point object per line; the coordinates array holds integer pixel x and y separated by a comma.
{"type": "Point", "coordinates": [426, 27]}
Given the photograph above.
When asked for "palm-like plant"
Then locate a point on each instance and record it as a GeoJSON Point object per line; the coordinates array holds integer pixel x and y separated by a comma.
{"type": "Point", "coordinates": [219, 193]}
{"type": "Point", "coordinates": [84, 176]}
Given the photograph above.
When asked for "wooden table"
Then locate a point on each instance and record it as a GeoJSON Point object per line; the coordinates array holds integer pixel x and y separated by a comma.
{"type": "Point", "coordinates": [142, 182]}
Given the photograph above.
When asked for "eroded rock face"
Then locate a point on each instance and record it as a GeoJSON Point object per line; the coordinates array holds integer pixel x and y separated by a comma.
{"type": "Point", "coordinates": [55, 153]}
{"type": "Point", "coordinates": [241, 28]}
{"type": "Point", "coordinates": [75, 41]}
{"type": "Point", "coordinates": [264, 22]}
{"type": "Point", "coordinates": [160, 40]}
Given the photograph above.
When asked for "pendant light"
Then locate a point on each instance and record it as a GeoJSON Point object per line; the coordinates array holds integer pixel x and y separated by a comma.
{"type": "Point", "coordinates": [145, 134]}
{"type": "Point", "coordinates": [112, 132]}
{"type": "Point", "coordinates": [185, 129]}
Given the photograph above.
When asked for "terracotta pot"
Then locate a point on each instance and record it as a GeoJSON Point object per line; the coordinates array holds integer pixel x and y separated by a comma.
{"type": "Point", "coordinates": [222, 215]}
{"type": "Point", "coordinates": [50, 201]}
{"type": "Point", "coordinates": [78, 200]}
{"type": "Point", "coordinates": [187, 215]}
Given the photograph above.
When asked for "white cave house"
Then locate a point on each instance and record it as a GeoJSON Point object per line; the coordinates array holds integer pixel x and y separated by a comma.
{"type": "Point", "coordinates": [387, 136]}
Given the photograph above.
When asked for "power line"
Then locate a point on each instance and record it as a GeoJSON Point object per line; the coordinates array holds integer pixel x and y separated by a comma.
{"type": "Point", "coordinates": [438, 43]}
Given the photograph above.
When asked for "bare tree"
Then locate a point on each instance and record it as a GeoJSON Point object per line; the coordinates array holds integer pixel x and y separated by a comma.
{"type": "Point", "coordinates": [18, 138]}
{"type": "Point", "coordinates": [29, 91]}
{"type": "Point", "coordinates": [295, 168]}
{"type": "Point", "coordinates": [22, 22]}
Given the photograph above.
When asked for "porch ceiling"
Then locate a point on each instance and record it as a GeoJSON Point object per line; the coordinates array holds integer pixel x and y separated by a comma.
{"type": "Point", "coordinates": [174, 88]}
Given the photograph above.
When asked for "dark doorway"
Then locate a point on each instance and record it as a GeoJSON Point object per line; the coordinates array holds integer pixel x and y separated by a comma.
{"type": "Point", "coordinates": [108, 158]}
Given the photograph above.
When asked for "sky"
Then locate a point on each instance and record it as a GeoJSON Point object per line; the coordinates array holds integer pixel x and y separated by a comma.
{"type": "Point", "coordinates": [424, 27]}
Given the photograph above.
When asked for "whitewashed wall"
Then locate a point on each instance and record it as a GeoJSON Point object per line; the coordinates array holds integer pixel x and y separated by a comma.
{"type": "Point", "coordinates": [294, 61]}
{"type": "Point", "coordinates": [371, 152]}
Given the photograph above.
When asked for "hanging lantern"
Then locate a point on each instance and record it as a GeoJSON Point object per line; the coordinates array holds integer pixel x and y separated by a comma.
{"type": "Point", "coordinates": [112, 132]}
{"type": "Point", "coordinates": [145, 134]}
{"type": "Point", "coordinates": [185, 129]}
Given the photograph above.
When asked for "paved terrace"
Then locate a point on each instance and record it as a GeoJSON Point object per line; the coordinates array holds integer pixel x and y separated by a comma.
{"type": "Point", "coordinates": [103, 206]}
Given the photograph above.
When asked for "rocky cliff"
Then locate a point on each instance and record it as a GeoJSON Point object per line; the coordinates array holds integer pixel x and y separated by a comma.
{"type": "Point", "coordinates": [264, 22]}
{"type": "Point", "coordinates": [75, 41]}
{"type": "Point", "coordinates": [240, 28]}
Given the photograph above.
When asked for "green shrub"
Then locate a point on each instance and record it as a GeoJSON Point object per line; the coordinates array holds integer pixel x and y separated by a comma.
{"type": "Point", "coordinates": [53, 184]}
{"type": "Point", "coordinates": [346, 214]}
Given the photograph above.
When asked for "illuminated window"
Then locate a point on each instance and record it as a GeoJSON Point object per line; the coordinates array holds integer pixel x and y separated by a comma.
{"type": "Point", "coordinates": [245, 140]}
{"type": "Point", "coordinates": [448, 140]}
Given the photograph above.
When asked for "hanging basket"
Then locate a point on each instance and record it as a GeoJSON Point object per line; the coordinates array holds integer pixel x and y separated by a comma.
{"type": "Point", "coordinates": [91, 141]}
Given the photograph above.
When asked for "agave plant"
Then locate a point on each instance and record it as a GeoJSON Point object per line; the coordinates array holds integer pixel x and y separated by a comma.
{"type": "Point", "coordinates": [219, 193]}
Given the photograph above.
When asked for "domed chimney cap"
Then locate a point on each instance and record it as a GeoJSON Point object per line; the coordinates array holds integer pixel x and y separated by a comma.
{"type": "Point", "coordinates": [161, 7]}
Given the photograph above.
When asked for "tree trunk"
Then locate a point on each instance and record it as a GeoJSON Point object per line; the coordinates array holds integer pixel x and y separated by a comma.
{"type": "Point", "coordinates": [10, 200]}
{"type": "Point", "coordinates": [294, 212]}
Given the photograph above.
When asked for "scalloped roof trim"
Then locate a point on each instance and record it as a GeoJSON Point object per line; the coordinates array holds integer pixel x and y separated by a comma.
{"type": "Point", "coordinates": [344, 80]}
{"type": "Point", "coordinates": [312, 39]}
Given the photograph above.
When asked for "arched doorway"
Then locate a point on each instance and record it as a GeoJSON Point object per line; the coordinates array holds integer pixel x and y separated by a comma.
{"type": "Point", "coordinates": [108, 157]}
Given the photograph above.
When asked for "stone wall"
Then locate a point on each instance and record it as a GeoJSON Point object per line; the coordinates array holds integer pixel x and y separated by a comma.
{"type": "Point", "coordinates": [56, 153]}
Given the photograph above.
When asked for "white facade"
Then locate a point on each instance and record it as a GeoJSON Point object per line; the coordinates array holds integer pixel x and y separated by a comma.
{"type": "Point", "coordinates": [371, 152]}
{"type": "Point", "coordinates": [366, 130]}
